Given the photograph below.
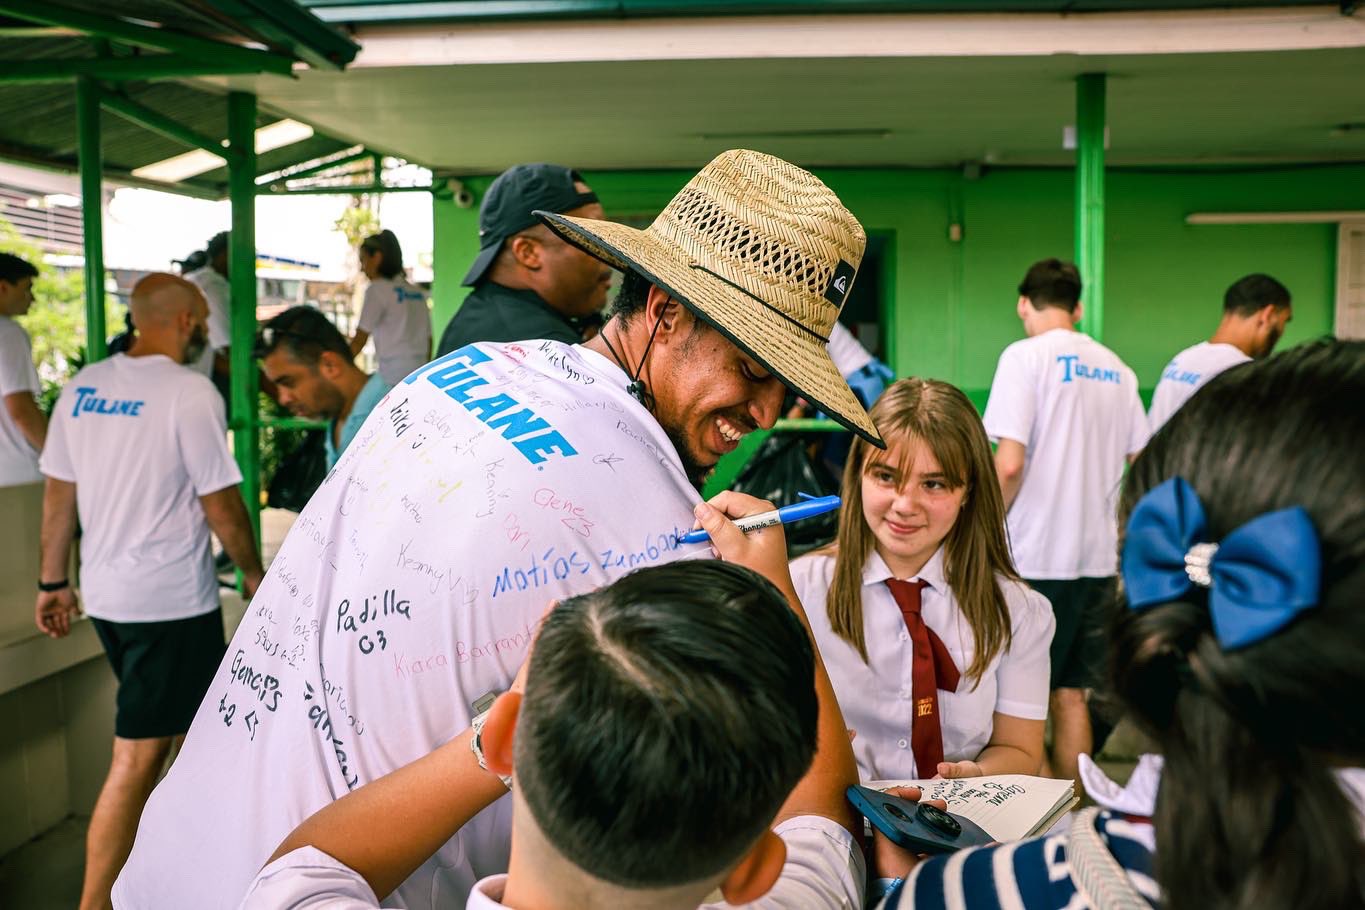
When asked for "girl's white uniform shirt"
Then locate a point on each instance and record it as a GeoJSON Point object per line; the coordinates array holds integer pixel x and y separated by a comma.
{"type": "Point", "coordinates": [397, 317]}
{"type": "Point", "coordinates": [876, 696]}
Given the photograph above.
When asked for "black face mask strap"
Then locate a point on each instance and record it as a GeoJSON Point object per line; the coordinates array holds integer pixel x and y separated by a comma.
{"type": "Point", "coordinates": [636, 387]}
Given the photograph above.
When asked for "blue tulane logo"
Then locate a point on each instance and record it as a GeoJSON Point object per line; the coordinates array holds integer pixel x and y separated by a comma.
{"type": "Point", "coordinates": [1175, 374]}
{"type": "Point", "coordinates": [87, 402]}
{"type": "Point", "coordinates": [529, 433]}
{"type": "Point", "coordinates": [1072, 366]}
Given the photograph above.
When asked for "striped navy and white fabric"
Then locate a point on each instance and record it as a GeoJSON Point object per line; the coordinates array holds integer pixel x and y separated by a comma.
{"type": "Point", "coordinates": [1026, 875]}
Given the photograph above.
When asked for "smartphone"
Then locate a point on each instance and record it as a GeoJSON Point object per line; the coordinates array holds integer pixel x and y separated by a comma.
{"type": "Point", "coordinates": [918, 827]}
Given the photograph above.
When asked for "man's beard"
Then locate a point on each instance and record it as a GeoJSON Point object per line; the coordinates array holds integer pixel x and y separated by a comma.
{"type": "Point", "coordinates": [194, 348]}
{"type": "Point", "coordinates": [695, 471]}
{"type": "Point", "coordinates": [1270, 342]}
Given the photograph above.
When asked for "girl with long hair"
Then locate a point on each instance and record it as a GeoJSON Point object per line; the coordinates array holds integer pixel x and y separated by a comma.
{"type": "Point", "coordinates": [937, 651]}
{"type": "Point", "coordinates": [1237, 647]}
{"type": "Point", "coordinates": [395, 312]}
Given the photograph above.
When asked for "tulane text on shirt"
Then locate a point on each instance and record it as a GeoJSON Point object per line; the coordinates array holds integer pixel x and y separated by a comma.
{"type": "Point", "coordinates": [90, 403]}
{"type": "Point", "coordinates": [529, 434]}
{"type": "Point", "coordinates": [1175, 374]}
{"type": "Point", "coordinates": [1072, 366]}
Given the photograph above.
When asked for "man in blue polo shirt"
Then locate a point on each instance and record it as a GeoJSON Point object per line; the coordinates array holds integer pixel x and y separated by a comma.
{"type": "Point", "coordinates": [310, 363]}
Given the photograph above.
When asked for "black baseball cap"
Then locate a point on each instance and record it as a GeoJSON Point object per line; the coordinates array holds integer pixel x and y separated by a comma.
{"type": "Point", "coordinates": [510, 204]}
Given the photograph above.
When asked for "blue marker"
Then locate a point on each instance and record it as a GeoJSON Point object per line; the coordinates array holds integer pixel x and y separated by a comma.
{"type": "Point", "coordinates": [809, 507]}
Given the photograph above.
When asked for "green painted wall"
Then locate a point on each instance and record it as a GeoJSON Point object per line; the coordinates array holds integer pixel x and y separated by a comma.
{"type": "Point", "coordinates": [954, 301]}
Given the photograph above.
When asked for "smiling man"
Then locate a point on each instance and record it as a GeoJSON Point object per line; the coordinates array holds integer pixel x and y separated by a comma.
{"type": "Point", "coordinates": [486, 484]}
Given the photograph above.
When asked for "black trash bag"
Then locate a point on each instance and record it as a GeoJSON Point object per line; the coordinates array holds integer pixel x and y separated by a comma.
{"type": "Point", "coordinates": [300, 473]}
{"type": "Point", "coordinates": [783, 467]}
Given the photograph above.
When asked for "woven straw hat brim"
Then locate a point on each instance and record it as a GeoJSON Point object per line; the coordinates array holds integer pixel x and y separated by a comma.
{"type": "Point", "coordinates": [797, 357]}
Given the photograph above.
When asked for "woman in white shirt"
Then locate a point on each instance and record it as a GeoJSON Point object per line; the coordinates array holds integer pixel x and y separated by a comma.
{"type": "Point", "coordinates": [395, 312]}
{"type": "Point", "coordinates": [937, 651]}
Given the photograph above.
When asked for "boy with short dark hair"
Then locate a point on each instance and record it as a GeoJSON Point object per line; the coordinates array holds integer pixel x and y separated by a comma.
{"type": "Point", "coordinates": [661, 725]}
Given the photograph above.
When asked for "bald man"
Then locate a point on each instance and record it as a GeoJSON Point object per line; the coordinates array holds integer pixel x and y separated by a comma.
{"type": "Point", "coordinates": [137, 451]}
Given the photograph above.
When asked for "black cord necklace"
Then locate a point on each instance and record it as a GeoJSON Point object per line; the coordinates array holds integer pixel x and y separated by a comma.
{"type": "Point", "coordinates": [636, 387]}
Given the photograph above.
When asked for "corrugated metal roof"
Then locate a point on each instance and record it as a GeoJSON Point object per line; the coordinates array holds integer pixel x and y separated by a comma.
{"type": "Point", "coordinates": [381, 11]}
{"type": "Point", "coordinates": [38, 120]}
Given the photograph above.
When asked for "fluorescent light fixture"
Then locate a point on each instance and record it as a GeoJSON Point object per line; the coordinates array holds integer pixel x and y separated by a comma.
{"type": "Point", "coordinates": [198, 161]}
{"type": "Point", "coordinates": [1325, 217]}
{"type": "Point", "coordinates": [53, 200]}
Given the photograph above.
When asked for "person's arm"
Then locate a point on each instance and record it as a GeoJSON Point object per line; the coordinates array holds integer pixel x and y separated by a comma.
{"type": "Point", "coordinates": [23, 410]}
{"type": "Point", "coordinates": [1016, 747]}
{"type": "Point", "coordinates": [1010, 455]}
{"type": "Point", "coordinates": [371, 313]}
{"type": "Point", "coordinates": [358, 341]}
{"type": "Point", "coordinates": [428, 801]}
{"type": "Point", "coordinates": [833, 770]}
{"type": "Point", "coordinates": [54, 609]}
{"type": "Point", "coordinates": [227, 518]}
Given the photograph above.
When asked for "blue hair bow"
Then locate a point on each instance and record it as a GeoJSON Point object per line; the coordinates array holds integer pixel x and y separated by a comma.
{"type": "Point", "coordinates": [1259, 577]}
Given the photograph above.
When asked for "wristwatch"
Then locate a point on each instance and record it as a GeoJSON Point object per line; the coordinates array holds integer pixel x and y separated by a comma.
{"type": "Point", "coordinates": [476, 746]}
{"type": "Point", "coordinates": [47, 587]}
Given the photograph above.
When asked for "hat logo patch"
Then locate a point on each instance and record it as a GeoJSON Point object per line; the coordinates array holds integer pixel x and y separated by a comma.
{"type": "Point", "coordinates": [840, 283]}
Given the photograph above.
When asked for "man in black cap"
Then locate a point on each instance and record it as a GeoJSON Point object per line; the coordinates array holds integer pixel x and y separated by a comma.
{"type": "Point", "coordinates": [529, 283]}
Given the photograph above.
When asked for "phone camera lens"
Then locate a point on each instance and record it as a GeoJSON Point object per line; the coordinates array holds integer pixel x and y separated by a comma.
{"type": "Point", "coordinates": [896, 811]}
{"type": "Point", "coordinates": [939, 820]}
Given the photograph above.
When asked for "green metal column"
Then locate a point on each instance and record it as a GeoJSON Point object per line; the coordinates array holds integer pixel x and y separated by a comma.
{"type": "Point", "coordinates": [92, 214]}
{"type": "Point", "coordinates": [245, 419]}
{"type": "Point", "coordinates": [1090, 122]}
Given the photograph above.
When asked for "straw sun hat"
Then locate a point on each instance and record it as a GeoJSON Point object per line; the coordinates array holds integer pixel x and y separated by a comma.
{"type": "Point", "coordinates": [763, 252]}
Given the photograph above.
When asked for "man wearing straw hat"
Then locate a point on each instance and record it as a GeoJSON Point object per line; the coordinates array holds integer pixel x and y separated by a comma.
{"type": "Point", "coordinates": [494, 480]}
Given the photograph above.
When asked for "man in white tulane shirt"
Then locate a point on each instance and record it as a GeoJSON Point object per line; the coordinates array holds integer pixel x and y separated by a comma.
{"type": "Point", "coordinates": [1065, 413]}
{"type": "Point", "coordinates": [486, 484]}
{"type": "Point", "coordinates": [22, 423]}
{"type": "Point", "coordinates": [1255, 311]}
{"type": "Point", "coordinates": [137, 449]}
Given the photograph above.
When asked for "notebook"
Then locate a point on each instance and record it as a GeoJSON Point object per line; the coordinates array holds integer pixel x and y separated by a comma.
{"type": "Point", "coordinates": [1008, 806]}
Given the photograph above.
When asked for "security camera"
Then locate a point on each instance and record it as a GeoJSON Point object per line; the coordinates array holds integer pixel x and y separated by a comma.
{"type": "Point", "coordinates": [463, 196]}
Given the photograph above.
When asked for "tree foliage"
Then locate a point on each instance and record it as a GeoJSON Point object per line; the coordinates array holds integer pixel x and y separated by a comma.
{"type": "Point", "coordinates": [56, 321]}
{"type": "Point", "coordinates": [357, 222]}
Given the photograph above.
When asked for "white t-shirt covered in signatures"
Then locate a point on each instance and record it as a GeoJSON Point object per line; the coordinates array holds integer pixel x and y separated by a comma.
{"type": "Point", "coordinates": [142, 438]}
{"type": "Point", "coordinates": [1075, 407]}
{"type": "Point", "coordinates": [1185, 374]}
{"type": "Point", "coordinates": [876, 695]}
{"type": "Point", "coordinates": [481, 488]}
{"type": "Point", "coordinates": [396, 315]}
{"type": "Point", "coordinates": [18, 459]}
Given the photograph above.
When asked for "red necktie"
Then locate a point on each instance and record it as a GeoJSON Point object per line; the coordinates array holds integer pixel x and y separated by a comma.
{"type": "Point", "coordinates": [932, 669]}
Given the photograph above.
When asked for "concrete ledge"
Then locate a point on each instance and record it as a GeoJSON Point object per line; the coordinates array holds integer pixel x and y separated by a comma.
{"type": "Point", "coordinates": [27, 658]}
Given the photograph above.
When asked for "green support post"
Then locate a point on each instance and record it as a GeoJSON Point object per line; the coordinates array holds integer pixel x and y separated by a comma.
{"type": "Point", "coordinates": [1090, 123]}
{"type": "Point", "coordinates": [92, 214]}
{"type": "Point", "coordinates": [245, 420]}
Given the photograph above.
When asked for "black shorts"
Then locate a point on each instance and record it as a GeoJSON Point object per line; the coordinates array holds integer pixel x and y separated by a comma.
{"type": "Point", "coordinates": [163, 670]}
{"type": "Point", "coordinates": [1079, 648]}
